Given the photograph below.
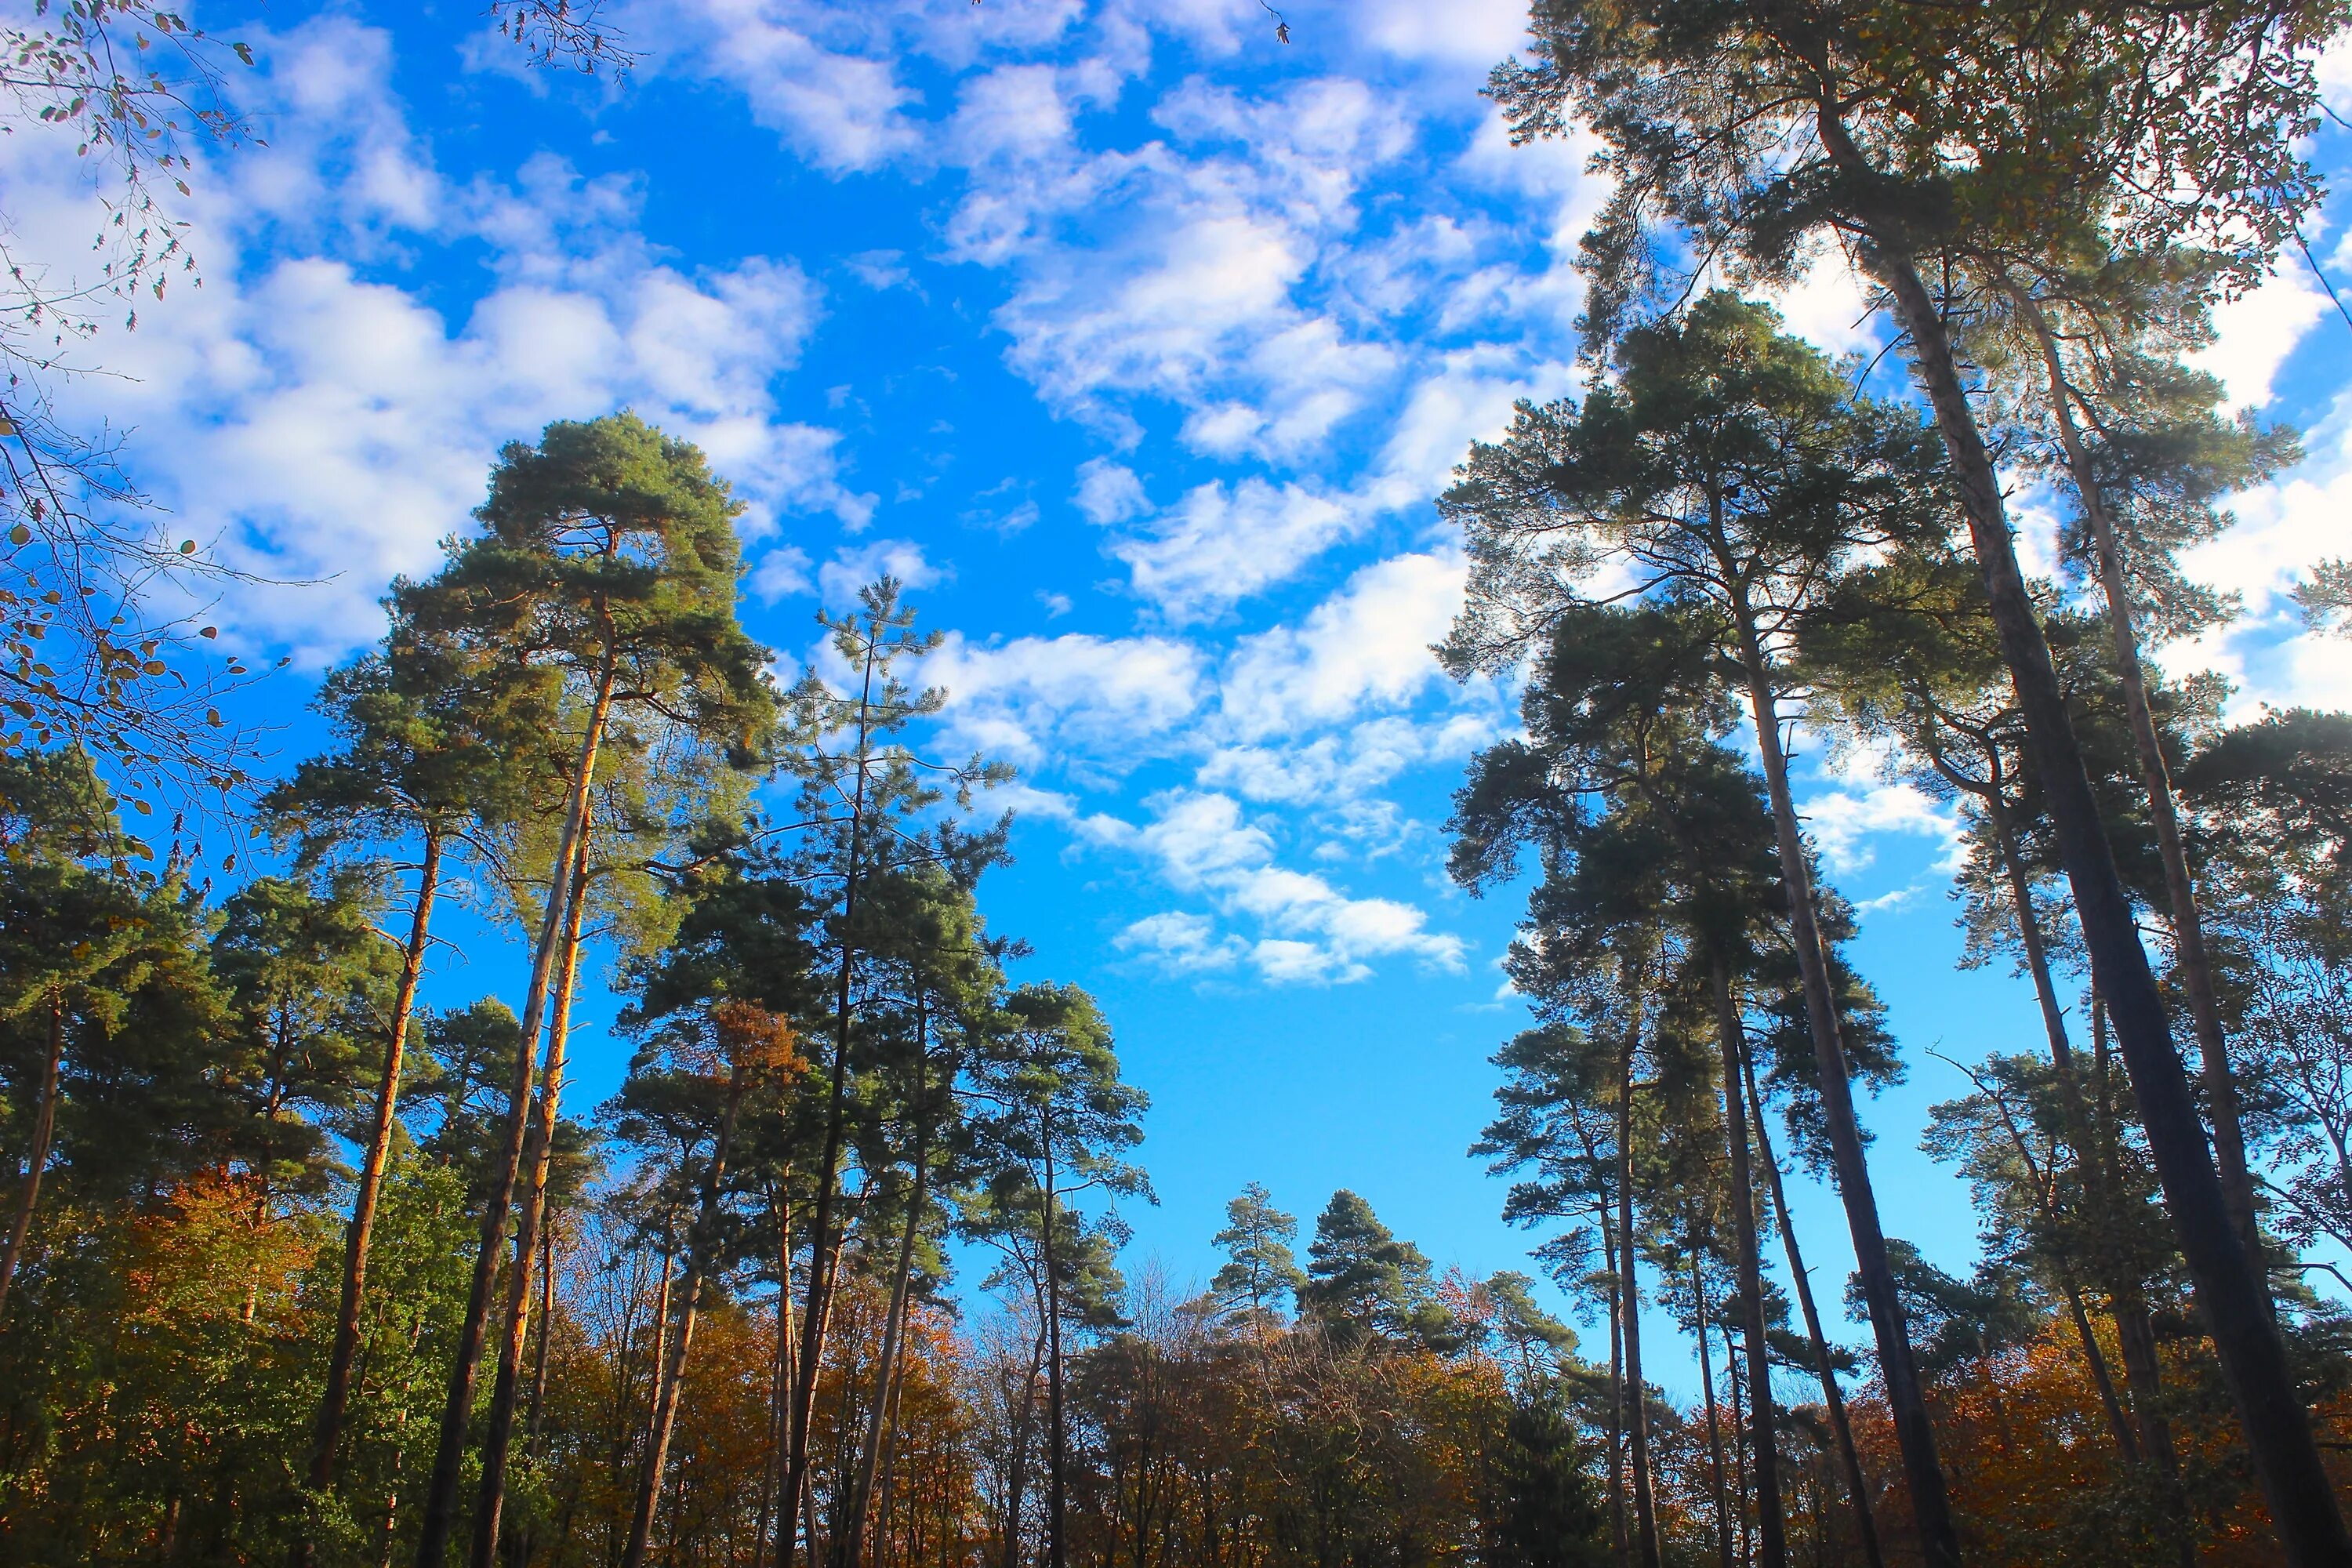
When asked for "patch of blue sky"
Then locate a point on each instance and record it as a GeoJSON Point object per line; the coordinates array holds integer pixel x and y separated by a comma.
{"type": "Point", "coordinates": [1137, 343]}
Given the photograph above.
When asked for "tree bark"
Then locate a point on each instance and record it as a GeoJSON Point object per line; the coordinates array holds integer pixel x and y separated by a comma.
{"type": "Point", "coordinates": [828, 1172]}
{"type": "Point", "coordinates": [2229, 1288]}
{"type": "Point", "coordinates": [780, 1399]}
{"type": "Point", "coordinates": [886, 1378]}
{"type": "Point", "coordinates": [1906, 1399]}
{"type": "Point", "coordinates": [1716, 1488]}
{"type": "Point", "coordinates": [2180, 892]}
{"type": "Point", "coordinates": [1056, 1486]}
{"type": "Point", "coordinates": [1849, 1457]}
{"type": "Point", "coordinates": [457, 1409]}
{"type": "Point", "coordinates": [1616, 1394]}
{"type": "Point", "coordinates": [328, 1435]}
{"type": "Point", "coordinates": [45, 1124]}
{"type": "Point", "coordinates": [1772, 1548]}
{"type": "Point", "coordinates": [537, 1162]}
{"type": "Point", "coordinates": [1628, 1290]}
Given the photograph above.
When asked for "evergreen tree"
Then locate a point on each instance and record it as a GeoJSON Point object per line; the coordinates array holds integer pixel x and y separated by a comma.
{"type": "Point", "coordinates": [1260, 1268]}
{"type": "Point", "coordinates": [1362, 1281]}
{"type": "Point", "coordinates": [1732, 472]}
{"type": "Point", "coordinates": [431, 742]}
{"type": "Point", "coordinates": [1971, 146]}
{"type": "Point", "coordinates": [608, 557]}
{"type": "Point", "coordinates": [863, 795]}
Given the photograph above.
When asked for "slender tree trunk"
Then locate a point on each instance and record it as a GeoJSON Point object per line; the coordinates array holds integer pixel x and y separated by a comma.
{"type": "Point", "coordinates": [45, 1125]}
{"type": "Point", "coordinates": [1906, 1400]}
{"type": "Point", "coordinates": [328, 1435]}
{"type": "Point", "coordinates": [1056, 1492]}
{"type": "Point", "coordinates": [1628, 1290]}
{"type": "Point", "coordinates": [699, 1244]}
{"type": "Point", "coordinates": [2180, 892]}
{"type": "Point", "coordinates": [893, 1324]}
{"type": "Point", "coordinates": [520, 1548]}
{"type": "Point", "coordinates": [1017, 1480]}
{"type": "Point", "coordinates": [537, 1162]}
{"type": "Point", "coordinates": [1857, 1485]}
{"type": "Point", "coordinates": [2044, 1198]}
{"type": "Point", "coordinates": [780, 1399]}
{"type": "Point", "coordinates": [1771, 1529]}
{"type": "Point", "coordinates": [2127, 1444]}
{"type": "Point", "coordinates": [1716, 1488]}
{"type": "Point", "coordinates": [1616, 1394]}
{"type": "Point", "coordinates": [828, 1172]}
{"type": "Point", "coordinates": [2062, 1058]}
{"type": "Point", "coordinates": [2230, 1286]}
{"type": "Point", "coordinates": [457, 1409]}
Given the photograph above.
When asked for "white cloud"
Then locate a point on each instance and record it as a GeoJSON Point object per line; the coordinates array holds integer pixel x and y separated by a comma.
{"type": "Point", "coordinates": [853, 566]}
{"type": "Point", "coordinates": [1174, 270]}
{"type": "Point", "coordinates": [1181, 943]}
{"type": "Point", "coordinates": [1312, 932]}
{"type": "Point", "coordinates": [835, 99]}
{"type": "Point", "coordinates": [1097, 701]}
{"type": "Point", "coordinates": [1109, 492]}
{"type": "Point", "coordinates": [329, 427]}
{"type": "Point", "coordinates": [1368, 645]}
{"type": "Point", "coordinates": [1220, 544]}
{"type": "Point", "coordinates": [1842, 822]}
{"type": "Point", "coordinates": [2255, 333]}
{"type": "Point", "coordinates": [783, 572]}
{"type": "Point", "coordinates": [1829, 305]}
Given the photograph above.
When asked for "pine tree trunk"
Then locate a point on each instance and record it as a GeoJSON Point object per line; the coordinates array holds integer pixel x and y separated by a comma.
{"type": "Point", "coordinates": [780, 1396]}
{"type": "Point", "coordinates": [2229, 1288]}
{"type": "Point", "coordinates": [1732, 1364]}
{"type": "Point", "coordinates": [1714, 1421]}
{"type": "Point", "coordinates": [886, 1377]}
{"type": "Point", "coordinates": [45, 1124]}
{"type": "Point", "coordinates": [457, 1409]}
{"type": "Point", "coordinates": [328, 1435]}
{"type": "Point", "coordinates": [519, 1545]}
{"type": "Point", "coordinates": [1857, 1485]}
{"type": "Point", "coordinates": [2062, 1058]}
{"type": "Point", "coordinates": [828, 1172]}
{"type": "Point", "coordinates": [1057, 1488]}
{"type": "Point", "coordinates": [1628, 1290]}
{"type": "Point", "coordinates": [1772, 1534]}
{"type": "Point", "coordinates": [2180, 892]}
{"type": "Point", "coordinates": [1906, 1400]}
{"type": "Point", "coordinates": [497, 1431]}
{"type": "Point", "coordinates": [1017, 1482]}
{"type": "Point", "coordinates": [1616, 1398]}
{"type": "Point", "coordinates": [700, 1245]}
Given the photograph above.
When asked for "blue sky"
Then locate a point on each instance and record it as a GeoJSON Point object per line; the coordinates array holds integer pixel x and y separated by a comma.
{"type": "Point", "coordinates": [1137, 342]}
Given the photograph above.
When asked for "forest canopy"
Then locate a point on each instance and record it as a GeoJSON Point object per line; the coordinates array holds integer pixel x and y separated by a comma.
{"type": "Point", "coordinates": [588, 1101]}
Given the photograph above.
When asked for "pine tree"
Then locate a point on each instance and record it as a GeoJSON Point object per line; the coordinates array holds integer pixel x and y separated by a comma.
{"type": "Point", "coordinates": [608, 556]}
{"type": "Point", "coordinates": [1971, 145]}
{"type": "Point", "coordinates": [1260, 1268]}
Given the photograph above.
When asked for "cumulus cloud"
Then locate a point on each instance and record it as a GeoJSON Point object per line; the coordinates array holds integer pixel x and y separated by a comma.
{"type": "Point", "coordinates": [818, 77]}
{"type": "Point", "coordinates": [2283, 529]}
{"type": "Point", "coordinates": [853, 566]}
{"type": "Point", "coordinates": [1844, 821]}
{"type": "Point", "coordinates": [1114, 699]}
{"type": "Point", "coordinates": [1224, 543]}
{"type": "Point", "coordinates": [2256, 333]}
{"type": "Point", "coordinates": [1368, 645]}
{"type": "Point", "coordinates": [1310, 932]}
{"type": "Point", "coordinates": [1109, 492]}
{"type": "Point", "coordinates": [327, 427]}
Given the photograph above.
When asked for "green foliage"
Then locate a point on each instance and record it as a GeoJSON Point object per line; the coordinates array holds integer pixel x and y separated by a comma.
{"type": "Point", "coordinates": [1362, 1280]}
{"type": "Point", "coordinates": [1260, 1268]}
